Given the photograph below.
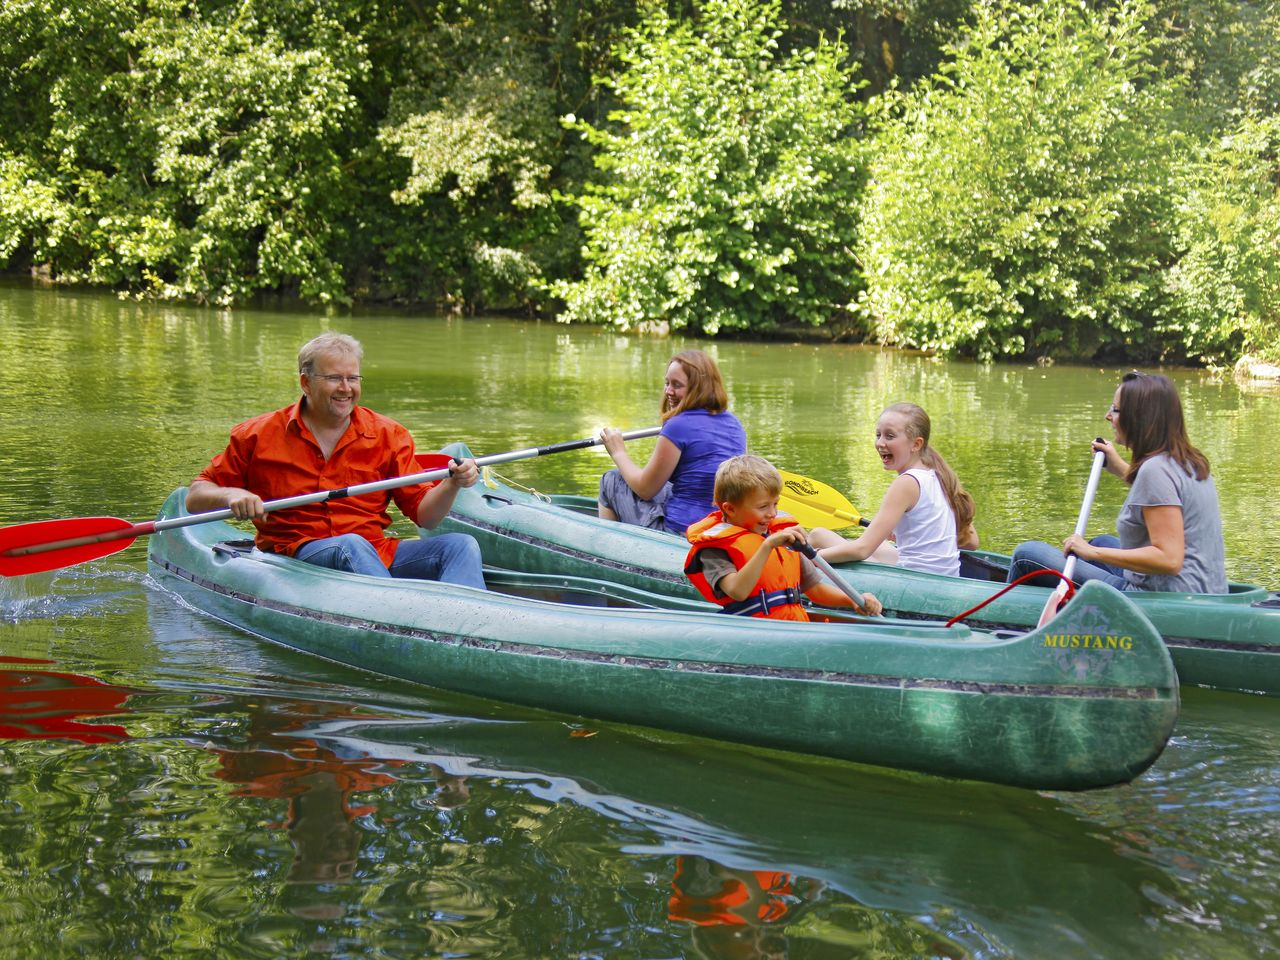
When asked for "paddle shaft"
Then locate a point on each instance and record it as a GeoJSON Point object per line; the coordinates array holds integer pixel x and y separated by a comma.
{"type": "Point", "coordinates": [155, 526]}
{"type": "Point", "coordinates": [838, 581]}
{"type": "Point", "coordinates": [1086, 506]}
{"type": "Point", "coordinates": [1082, 522]}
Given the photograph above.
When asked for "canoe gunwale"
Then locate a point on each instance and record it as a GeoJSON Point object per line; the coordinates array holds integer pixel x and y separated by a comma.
{"type": "Point", "coordinates": [576, 554]}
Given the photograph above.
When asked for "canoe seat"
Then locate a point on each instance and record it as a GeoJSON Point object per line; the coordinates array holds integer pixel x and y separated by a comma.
{"type": "Point", "coordinates": [975, 567]}
{"type": "Point", "coordinates": [233, 548]}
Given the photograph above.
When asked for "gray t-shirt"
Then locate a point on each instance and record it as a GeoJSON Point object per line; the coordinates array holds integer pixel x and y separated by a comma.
{"type": "Point", "coordinates": [716, 564]}
{"type": "Point", "coordinates": [1161, 482]}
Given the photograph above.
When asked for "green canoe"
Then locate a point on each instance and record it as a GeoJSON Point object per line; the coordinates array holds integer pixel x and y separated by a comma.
{"type": "Point", "coordinates": [1231, 641]}
{"type": "Point", "coordinates": [1089, 700]}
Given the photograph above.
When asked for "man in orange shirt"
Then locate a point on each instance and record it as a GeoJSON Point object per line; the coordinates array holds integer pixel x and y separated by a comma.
{"type": "Point", "coordinates": [326, 441]}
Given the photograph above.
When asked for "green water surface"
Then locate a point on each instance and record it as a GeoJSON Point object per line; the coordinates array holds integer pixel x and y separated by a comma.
{"type": "Point", "coordinates": [171, 787]}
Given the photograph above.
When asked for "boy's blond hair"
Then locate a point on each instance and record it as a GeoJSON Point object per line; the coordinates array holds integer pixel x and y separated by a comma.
{"type": "Point", "coordinates": [738, 477]}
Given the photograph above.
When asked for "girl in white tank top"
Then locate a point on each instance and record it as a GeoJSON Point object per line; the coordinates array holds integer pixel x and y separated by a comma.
{"type": "Point", "coordinates": [930, 524]}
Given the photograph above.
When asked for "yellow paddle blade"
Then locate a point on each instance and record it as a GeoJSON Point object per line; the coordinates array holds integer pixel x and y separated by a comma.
{"type": "Point", "coordinates": [814, 504]}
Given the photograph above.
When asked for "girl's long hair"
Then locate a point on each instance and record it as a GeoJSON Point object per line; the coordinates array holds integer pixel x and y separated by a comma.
{"type": "Point", "coordinates": [1150, 418]}
{"type": "Point", "coordinates": [917, 424]}
{"type": "Point", "coordinates": [706, 388]}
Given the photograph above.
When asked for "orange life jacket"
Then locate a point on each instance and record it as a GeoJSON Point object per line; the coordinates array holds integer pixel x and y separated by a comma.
{"type": "Point", "coordinates": [777, 593]}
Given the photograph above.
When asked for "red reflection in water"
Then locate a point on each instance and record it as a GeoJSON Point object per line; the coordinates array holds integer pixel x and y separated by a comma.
{"type": "Point", "coordinates": [707, 893]}
{"type": "Point", "coordinates": [737, 914]}
{"type": "Point", "coordinates": [46, 705]}
{"type": "Point", "coordinates": [282, 764]}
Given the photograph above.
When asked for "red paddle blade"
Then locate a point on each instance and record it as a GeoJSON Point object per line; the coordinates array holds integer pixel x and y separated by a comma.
{"type": "Point", "coordinates": [1055, 601]}
{"type": "Point", "coordinates": [432, 461]}
{"type": "Point", "coordinates": [61, 543]}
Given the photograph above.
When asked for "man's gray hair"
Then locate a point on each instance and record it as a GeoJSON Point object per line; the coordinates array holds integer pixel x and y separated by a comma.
{"type": "Point", "coordinates": [327, 343]}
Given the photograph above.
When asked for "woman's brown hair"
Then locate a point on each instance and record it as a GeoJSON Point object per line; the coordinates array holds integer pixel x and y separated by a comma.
{"type": "Point", "coordinates": [706, 388]}
{"type": "Point", "coordinates": [1151, 422]}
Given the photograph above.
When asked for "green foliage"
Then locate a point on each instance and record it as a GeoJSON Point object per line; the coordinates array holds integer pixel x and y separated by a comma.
{"type": "Point", "coordinates": [475, 116]}
{"type": "Point", "coordinates": [888, 38]}
{"type": "Point", "coordinates": [1021, 200]}
{"type": "Point", "coordinates": [1228, 280]}
{"type": "Point", "coordinates": [1078, 179]}
{"type": "Point", "coordinates": [328, 148]}
{"type": "Point", "coordinates": [193, 156]}
{"type": "Point", "coordinates": [729, 179]}
{"type": "Point", "coordinates": [1229, 51]}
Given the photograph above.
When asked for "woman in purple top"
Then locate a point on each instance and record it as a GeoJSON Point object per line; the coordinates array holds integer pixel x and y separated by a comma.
{"type": "Point", "coordinates": [674, 488]}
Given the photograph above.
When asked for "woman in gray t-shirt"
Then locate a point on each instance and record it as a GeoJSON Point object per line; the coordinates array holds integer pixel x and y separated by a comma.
{"type": "Point", "coordinates": [1170, 530]}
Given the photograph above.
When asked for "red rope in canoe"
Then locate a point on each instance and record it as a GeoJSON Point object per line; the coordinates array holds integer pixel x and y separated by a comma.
{"type": "Point", "coordinates": [1071, 592]}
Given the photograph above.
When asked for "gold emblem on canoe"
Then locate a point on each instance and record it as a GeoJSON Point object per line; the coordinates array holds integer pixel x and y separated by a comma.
{"type": "Point", "coordinates": [1088, 641]}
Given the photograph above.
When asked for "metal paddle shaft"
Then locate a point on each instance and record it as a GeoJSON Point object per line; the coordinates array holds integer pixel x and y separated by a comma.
{"type": "Point", "coordinates": [20, 546]}
{"type": "Point", "coordinates": [838, 581]}
{"type": "Point", "coordinates": [1086, 507]}
{"type": "Point", "coordinates": [1082, 523]}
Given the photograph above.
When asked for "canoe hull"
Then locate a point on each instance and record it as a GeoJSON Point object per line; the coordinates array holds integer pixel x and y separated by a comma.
{"type": "Point", "coordinates": [1049, 709]}
{"type": "Point", "coordinates": [1230, 642]}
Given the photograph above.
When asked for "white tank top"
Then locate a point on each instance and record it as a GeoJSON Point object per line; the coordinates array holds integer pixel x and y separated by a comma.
{"type": "Point", "coordinates": [926, 534]}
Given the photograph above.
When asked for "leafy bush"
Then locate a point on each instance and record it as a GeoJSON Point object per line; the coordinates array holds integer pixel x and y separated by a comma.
{"type": "Point", "coordinates": [730, 179]}
{"type": "Point", "coordinates": [191, 156]}
{"type": "Point", "coordinates": [1227, 283]}
{"type": "Point", "coordinates": [208, 150]}
{"type": "Point", "coordinates": [1021, 201]}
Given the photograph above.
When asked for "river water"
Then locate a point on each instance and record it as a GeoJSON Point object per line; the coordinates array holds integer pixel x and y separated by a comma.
{"type": "Point", "coordinates": [169, 786]}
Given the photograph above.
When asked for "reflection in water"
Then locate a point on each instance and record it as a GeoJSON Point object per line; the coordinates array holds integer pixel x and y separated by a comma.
{"type": "Point", "coordinates": [280, 762]}
{"type": "Point", "coordinates": [996, 871]}
{"type": "Point", "coordinates": [736, 914]}
{"type": "Point", "coordinates": [45, 704]}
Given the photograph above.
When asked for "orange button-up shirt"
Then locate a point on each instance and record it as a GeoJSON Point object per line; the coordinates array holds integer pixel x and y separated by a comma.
{"type": "Point", "coordinates": [275, 455]}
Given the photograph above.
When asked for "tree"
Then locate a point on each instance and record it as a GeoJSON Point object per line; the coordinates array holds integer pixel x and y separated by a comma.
{"type": "Point", "coordinates": [1227, 282]}
{"type": "Point", "coordinates": [333, 149]}
{"type": "Point", "coordinates": [729, 179]}
{"type": "Point", "coordinates": [473, 126]}
{"type": "Point", "coordinates": [1021, 201]}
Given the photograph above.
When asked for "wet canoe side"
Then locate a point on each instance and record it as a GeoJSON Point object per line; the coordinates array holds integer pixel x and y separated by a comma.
{"type": "Point", "coordinates": [1230, 642]}
{"type": "Point", "coordinates": [1048, 710]}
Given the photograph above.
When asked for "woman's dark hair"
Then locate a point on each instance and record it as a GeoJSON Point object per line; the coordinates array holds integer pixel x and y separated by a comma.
{"type": "Point", "coordinates": [1150, 419]}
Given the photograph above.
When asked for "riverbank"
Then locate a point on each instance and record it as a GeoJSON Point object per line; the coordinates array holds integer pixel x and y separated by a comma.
{"type": "Point", "coordinates": [1249, 368]}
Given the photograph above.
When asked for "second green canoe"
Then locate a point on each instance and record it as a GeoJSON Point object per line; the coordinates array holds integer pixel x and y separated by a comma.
{"type": "Point", "coordinates": [1231, 642]}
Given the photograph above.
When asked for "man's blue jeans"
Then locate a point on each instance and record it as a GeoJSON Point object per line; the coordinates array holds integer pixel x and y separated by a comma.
{"type": "Point", "coordinates": [1038, 555]}
{"type": "Point", "coordinates": [449, 558]}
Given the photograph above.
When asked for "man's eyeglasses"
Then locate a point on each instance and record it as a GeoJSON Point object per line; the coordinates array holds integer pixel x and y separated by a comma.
{"type": "Point", "coordinates": [336, 378]}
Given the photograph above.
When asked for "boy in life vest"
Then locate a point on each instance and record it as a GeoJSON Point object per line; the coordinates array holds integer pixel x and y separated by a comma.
{"type": "Point", "coordinates": [739, 557]}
